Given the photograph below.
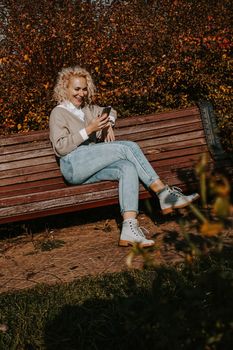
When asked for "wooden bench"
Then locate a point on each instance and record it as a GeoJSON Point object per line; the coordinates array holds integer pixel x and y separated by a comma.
{"type": "Point", "coordinates": [32, 186]}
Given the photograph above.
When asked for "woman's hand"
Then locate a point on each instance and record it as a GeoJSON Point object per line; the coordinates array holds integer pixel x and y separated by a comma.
{"type": "Point", "coordinates": [97, 124]}
{"type": "Point", "coordinates": [108, 134]}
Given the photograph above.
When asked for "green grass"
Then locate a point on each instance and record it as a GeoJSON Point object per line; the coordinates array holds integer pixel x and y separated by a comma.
{"type": "Point", "coordinates": [183, 307]}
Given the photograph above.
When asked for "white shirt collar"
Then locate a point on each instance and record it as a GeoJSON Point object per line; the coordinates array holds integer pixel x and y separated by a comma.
{"type": "Point", "coordinates": [71, 108]}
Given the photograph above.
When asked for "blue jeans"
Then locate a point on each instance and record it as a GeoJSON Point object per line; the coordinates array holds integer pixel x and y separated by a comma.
{"type": "Point", "coordinates": [119, 160]}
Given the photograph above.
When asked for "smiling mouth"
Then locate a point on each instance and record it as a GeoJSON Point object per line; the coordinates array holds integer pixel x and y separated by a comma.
{"type": "Point", "coordinates": [79, 99]}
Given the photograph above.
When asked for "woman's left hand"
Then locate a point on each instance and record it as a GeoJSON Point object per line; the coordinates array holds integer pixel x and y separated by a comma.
{"type": "Point", "coordinates": [108, 134]}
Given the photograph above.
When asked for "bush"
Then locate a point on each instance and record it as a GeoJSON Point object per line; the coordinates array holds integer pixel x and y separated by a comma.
{"type": "Point", "coordinates": [143, 58]}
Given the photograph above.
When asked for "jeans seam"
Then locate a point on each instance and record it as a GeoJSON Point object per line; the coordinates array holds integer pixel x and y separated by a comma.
{"type": "Point", "coordinates": [142, 168]}
{"type": "Point", "coordinates": [120, 186]}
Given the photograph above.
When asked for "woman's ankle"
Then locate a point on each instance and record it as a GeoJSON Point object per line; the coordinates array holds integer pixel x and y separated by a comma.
{"type": "Point", "coordinates": [157, 186]}
{"type": "Point", "coordinates": [129, 215]}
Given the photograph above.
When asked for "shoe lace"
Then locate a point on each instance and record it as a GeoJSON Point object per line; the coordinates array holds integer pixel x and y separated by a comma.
{"type": "Point", "coordinates": [139, 230]}
{"type": "Point", "coordinates": [177, 191]}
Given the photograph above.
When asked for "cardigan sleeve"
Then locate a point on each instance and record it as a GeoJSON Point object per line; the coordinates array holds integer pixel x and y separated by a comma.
{"type": "Point", "coordinates": [63, 138]}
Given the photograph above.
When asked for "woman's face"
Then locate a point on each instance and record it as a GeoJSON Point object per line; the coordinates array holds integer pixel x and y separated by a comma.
{"type": "Point", "coordinates": [77, 91]}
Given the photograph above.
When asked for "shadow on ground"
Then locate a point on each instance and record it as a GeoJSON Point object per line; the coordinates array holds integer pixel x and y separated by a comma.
{"type": "Point", "coordinates": [182, 310]}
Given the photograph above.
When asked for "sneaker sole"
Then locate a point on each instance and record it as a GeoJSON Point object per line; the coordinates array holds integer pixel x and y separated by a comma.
{"type": "Point", "coordinates": [170, 209]}
{"type": "Point", "coordinates": [123, 243]}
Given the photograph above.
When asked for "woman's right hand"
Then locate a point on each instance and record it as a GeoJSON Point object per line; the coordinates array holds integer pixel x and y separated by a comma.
{"type": "Point", "coordinates": [98, 124]}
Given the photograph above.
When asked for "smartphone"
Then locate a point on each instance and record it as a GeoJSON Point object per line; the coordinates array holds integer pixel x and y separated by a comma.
{"type": "Point", "coordinates": [106, 110]}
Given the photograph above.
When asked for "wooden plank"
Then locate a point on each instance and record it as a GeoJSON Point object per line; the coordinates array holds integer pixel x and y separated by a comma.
{"type": "Point", "coordinates": [30, 178]}
{"type": "Point", "coordinates": [151, 151]}
{"type": "Point", "coordinates": [59, 202]}
{"type": "Point", "coordinates": [12, 192]}
{"type": "Point", "coordinates": [162, 116]}
{"type": "Point", "coordinates": [136, 134]}
{"type": "Point", "coordinates": [59, 193]}
{"type": "Point", "coordinates": [36, 153]}
{"type": "Point", "coordinates": [40, 183]}
{"type": "Point", "coordinates": [177, 162]}
{"type": "Point", "coordinates": [178, 145]}
{"type": "Point", "coordinates": [45, 159]}
{"type": "Point", "coordinates": [179, 124]}
{"type": "Point", "coordinates": [177, 154]}
{"type": "Point", "coordinates": [164, 140]}
{"type": "Point", "coordinates": [58, 210]}
{"type": "Point", "coordinates": [22, 147]}
{"type": "Point", "coordinates": [78, 189]}
{"type": "Point", "coordinates": [28, 170]}
{"type": "Point", "coordinates": [27, 162]}
{"type": "Point", "coordinates": [36, 187]}
{"type": "Point", "coordinates": [24, 137]}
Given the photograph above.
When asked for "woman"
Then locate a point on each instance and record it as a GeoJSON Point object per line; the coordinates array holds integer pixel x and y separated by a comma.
{"type": "Point", "coordinates": [75, 127]}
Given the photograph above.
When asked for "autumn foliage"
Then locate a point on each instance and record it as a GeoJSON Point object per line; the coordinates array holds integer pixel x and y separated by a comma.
{"type": "Point", "coordinates": [143, 57]}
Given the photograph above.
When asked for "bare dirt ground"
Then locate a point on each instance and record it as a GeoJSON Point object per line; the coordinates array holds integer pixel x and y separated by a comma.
{"type": "Point", "coordinates": [61, 249]}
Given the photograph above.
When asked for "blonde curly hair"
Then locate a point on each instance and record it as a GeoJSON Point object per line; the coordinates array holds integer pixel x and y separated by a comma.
{"type": "Point", "coordinates": [64, 77]}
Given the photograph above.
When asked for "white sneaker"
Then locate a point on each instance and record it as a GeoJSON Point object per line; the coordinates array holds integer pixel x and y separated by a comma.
{"type": "Point", "coordinates": [172, 198]}
{"type": "Point", "coordinates": [131, 233]}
